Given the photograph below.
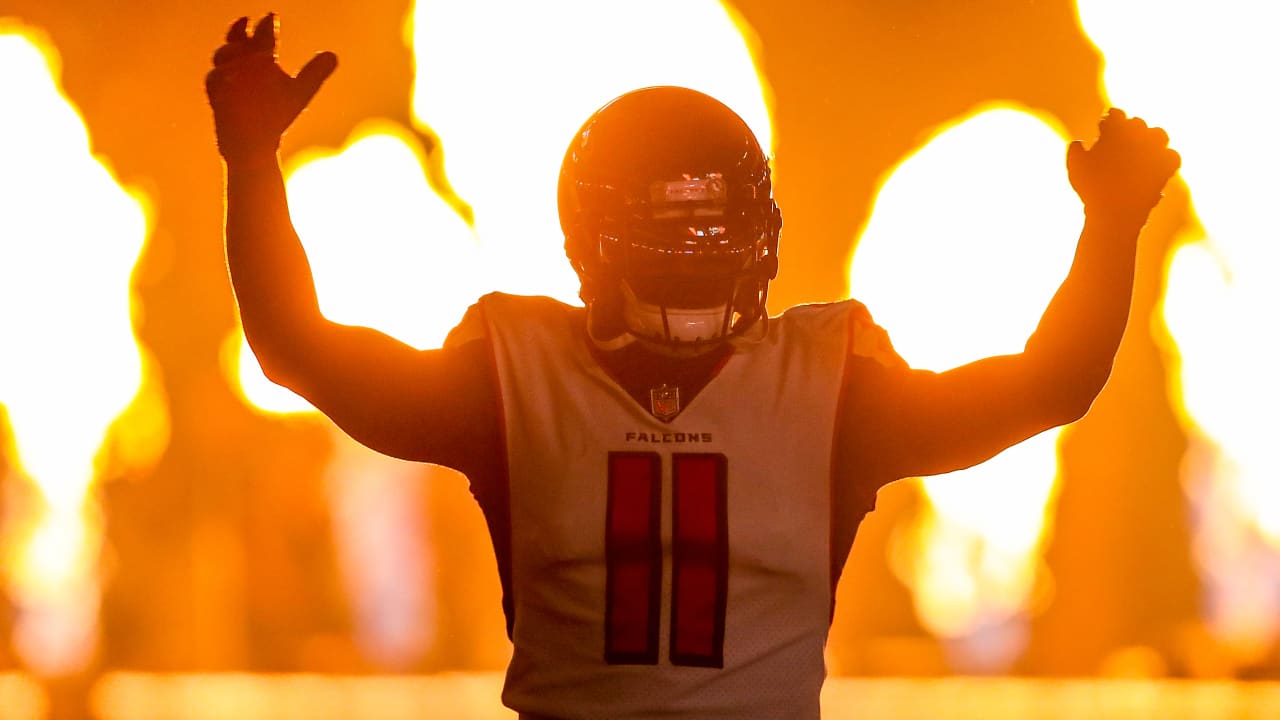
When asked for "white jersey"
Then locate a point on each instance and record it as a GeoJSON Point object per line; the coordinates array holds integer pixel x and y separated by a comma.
{"type": "Point", "coordinates": [677, 569]}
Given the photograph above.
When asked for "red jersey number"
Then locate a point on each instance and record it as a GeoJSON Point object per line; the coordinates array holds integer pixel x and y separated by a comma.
{"type": "Point", "coordinates": [634, 558]}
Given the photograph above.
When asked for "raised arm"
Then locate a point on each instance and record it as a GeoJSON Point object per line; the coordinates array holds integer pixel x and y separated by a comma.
{"type": "Point", "coordinates": [929, 423]}
{"type": "Point", "coordinates": [419, 405]}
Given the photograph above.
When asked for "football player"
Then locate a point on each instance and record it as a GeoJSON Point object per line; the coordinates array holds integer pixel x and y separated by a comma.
{"type": "Point", "coordinates": [672, 479]}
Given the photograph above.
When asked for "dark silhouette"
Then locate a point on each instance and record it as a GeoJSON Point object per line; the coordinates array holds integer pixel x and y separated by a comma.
{"type": "Point", "coordinates": [672, 480]}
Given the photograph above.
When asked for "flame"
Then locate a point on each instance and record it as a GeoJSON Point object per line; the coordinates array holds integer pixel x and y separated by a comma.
{"type": "Point", "coordinates": [969, 239]}
{"type": "Point", "coordinates": [388, 251]}
{"type": "Point", "coordinates": [1207, 74]}
{"type": "Point", "coordinates": [69, 237]}
{"type": "Point", "coordinates": [385, 250]}
{"type": "Point", "coordinates": [506, 85]}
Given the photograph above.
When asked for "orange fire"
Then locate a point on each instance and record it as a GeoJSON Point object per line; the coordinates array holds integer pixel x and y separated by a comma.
{"type": "Point", "coordinates": [506, 97]}
{"type": "Point", "coordinates": [384, 249]}
{"type": "Point", "coordinates": [969, 238]}
{"type": "Point", "coordinates": [1208, 74]}
{"type": "Point", "coordinates": [69, 238]}
{"type": "Point", "coordinates": [388, 252]}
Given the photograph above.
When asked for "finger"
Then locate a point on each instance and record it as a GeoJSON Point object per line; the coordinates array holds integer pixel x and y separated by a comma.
{"type": "Point", "coordinates": [1173, 161]}
{"type": "Point", "coordinates": [312, 76]}
{"type": "Point", "coordinates": [228, 52]}
{"type": "Point", "coordinates": [236, 32]}
{"type": "Point", "coordinates": [264, 34]}
{"type": "Point", "coordinates": [1075, 152]}
{"type": "Point", "coordinates": [1114, 118]}
{"type": "Point", "coordinates": [1159, 136]}
{"type": "Point", "coordinates": [235, 52]}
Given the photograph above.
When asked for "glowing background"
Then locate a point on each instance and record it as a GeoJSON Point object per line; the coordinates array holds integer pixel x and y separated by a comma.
{"type": "Point", "coordinates": [1222, 293]}
{"type": "Point", "coordinates": [242, 538]}
{"type": "Point", "coordinates": [953, 212]}
{"type": "Point", "coordinates": [70, 366]}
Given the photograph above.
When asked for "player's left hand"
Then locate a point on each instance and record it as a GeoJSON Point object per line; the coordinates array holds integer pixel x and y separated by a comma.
{"type": "Point", "coordinates": [1126, 169]}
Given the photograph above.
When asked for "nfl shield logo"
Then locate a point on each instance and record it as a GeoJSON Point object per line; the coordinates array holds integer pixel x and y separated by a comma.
{"type": "Point", "coordinates": [664, 402]}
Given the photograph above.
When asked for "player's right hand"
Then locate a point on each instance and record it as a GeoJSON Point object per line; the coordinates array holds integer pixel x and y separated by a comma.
{"type": "Point", "coordinates": [254, 101]}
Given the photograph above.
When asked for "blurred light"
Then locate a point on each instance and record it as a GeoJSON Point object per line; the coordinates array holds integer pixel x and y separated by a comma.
{"type": "Point", "coordinates": [139, 696]}
{"type": "Point", "coordinates": [69, 238]}
{"type": "Point", "coordinates": [968, 241]}
{"type": "Point", "coordinates": [1207, 74]}
{"type": "Point", "coordinates": [459, 696]}
{"type": "Point", "coordinates": [380, 506]}
{"type": "Point", "coordinates": [22, 698]}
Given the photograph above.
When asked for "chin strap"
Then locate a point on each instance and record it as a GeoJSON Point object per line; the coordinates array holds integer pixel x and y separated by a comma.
{"type": "Point", "coordinates": [672, 325]}
{"type": "Point", "coordinates": [626, 319]}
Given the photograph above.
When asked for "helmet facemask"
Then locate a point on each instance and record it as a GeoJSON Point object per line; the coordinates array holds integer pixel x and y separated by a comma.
{"type": "Point", "coordinates": [675, 238]}
{"type": "Point", "coordinates": [684, 275]}
{"type": "Point", "coordinates": [704, 282]}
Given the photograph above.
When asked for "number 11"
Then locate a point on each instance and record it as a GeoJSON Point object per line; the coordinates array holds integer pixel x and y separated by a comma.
{"type": "Point", "coordinates": [634, 558]}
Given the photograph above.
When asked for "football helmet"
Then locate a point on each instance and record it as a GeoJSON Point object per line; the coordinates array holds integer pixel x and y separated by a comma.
{"type": "Point", "coordinates": [669, 220]}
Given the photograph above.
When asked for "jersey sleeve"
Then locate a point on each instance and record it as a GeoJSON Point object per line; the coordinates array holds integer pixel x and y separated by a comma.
{"type": "Point", "coordinates": [861, 461]}
{"type": "Point", "coordinates": [470, 345]}
{"type": "Point", "coordinates": [869, 341]}
{"type": "Point", "coordinates": [472, 327]}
